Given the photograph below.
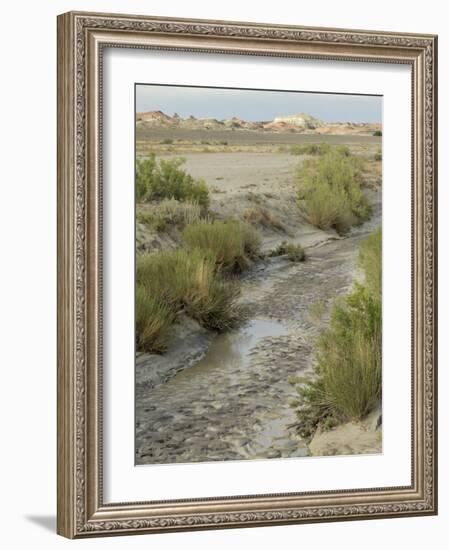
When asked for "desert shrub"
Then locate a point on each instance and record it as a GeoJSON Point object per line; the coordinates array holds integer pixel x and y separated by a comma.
{"type": "Point", "coordinates": [232, 244]}
{"type": "Point", "coordinates": [182, 281]}
{"type": "Point", "coordinates": [153, 322]}
{"type": "Point", "coordinates": [318, 149]}
{"type": "Point", "coordinates": [160, 216]}
{"type": "Point", "coordinates": [167, 179]}
{"type": "Point", "coordinates": [346, 382]}
{"type": "Point", "coordinates": [294, 252]}
{"type": "Point", "coordinates": [329, 190]}
{"type": "Point", "coordinates": [262, 216]}
{"type": "Point", "coordinates": [327, 207]}
{"type": "Point", "coordinates": [377, 133]}
{"type": "Point", "coordinates": [378, 156]}
{"type": "Point", "coordinates": [167, 141]}
{"type": "Point", "coordinates": [310, 149]}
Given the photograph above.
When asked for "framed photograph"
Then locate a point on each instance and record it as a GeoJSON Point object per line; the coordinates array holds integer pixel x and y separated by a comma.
{"type": "Point", "coordinates": [246, 274]}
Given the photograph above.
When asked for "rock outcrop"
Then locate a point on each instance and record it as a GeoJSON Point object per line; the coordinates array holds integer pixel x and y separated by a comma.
{"type": "Point", "coordinates": [300, 123]}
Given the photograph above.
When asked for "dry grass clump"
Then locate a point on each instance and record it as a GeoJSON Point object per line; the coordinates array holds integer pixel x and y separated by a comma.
{"type": "Point", "coordinates": [159, 216]}
{"type": "Point", "coordinates": [154, 320]}
{"type": "Point", "coordinates": [233, 244]}
{"type": "Point", "coordinates": [178, 281]}
{"type": "Point", "coordinates": [191, 279]}
{"type": "Point", "coordinates": [347, 375]}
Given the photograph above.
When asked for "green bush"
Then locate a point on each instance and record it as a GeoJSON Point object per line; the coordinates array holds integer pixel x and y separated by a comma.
{"type": "Point", "coordinates": [329, 191]}
{"type": "Point", "coordinates": [377, 133]}
{"type": "Point", "coordinates": [167, 179]}
{"type": "Point", "coordinates": [346, 383]}
{"type": "Point", "coordinates": [378, 156]}
{"type": "Point", "coordinates": [233, 244]}
{"type": "Point", "coordinates": [178, 281]}
{"type": "Point", "coordinates": [294, 252]}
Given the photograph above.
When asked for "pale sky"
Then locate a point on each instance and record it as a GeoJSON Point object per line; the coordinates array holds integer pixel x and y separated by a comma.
{"type": "Point", "coordinates": [256, 105]}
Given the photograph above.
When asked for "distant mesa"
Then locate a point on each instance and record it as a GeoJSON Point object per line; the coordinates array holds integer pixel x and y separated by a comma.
{"type": "Point", "coordinates": [302, 120]}
{"type": "Point", "coordinates": [301, 123]}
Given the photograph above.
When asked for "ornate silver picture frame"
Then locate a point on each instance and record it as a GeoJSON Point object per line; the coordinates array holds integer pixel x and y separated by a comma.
{"type": "Point", "coordinates": [82, 40]}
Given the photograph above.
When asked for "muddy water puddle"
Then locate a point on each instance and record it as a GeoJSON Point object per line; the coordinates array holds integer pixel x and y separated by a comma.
{"type": "Point", "coordinates": [231, 405]}
{"type": "Point", "coordinates": [230, 350]}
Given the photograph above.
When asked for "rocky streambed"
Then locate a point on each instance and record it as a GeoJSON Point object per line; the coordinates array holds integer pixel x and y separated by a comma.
{"type": "Point", "coordinates": [227, 397]}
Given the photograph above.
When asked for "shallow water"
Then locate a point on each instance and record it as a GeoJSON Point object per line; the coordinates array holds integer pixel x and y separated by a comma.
{"type": "Point", "coordinates": [225, 407]}
{"type": "Point", "coordinates": [231, 349]}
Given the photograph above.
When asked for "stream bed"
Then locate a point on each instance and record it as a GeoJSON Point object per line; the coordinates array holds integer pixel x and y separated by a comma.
{"type": "Point", "coordinates": [234, 403]}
